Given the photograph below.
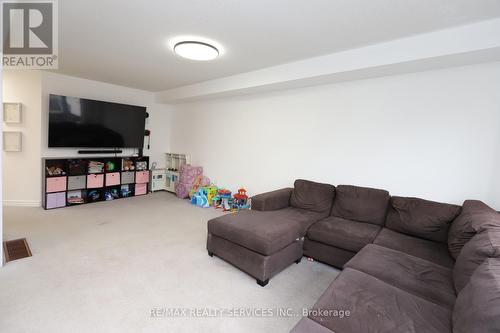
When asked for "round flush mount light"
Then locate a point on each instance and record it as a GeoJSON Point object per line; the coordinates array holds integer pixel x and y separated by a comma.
{"type": "Point", "coordinates": [195, 50]}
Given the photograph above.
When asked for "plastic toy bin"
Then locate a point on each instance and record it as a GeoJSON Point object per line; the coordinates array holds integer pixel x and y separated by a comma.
{"type": "Point", "coordinates": [56, 184]}
{"type": "Point", "coordinates": [142, 177]}
{"type": "Point", "coordinates": [95, 181]}
{"type": "Point", "coordinates": [141, 189]}
{"type": "Point", "coordinates": [113, 179]}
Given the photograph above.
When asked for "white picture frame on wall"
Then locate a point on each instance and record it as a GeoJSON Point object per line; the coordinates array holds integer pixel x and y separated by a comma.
{"type": "Point", "coordinates": [12, 113]}
{"type": "Point", "coordinates": [12, 141]}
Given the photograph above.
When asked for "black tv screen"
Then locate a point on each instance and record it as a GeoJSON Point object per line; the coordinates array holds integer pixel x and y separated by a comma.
{"type": "Point", "coordinates": [86, 123]}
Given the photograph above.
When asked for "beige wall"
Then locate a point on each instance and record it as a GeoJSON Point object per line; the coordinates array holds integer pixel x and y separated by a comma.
{"type": "Point", "coordinates": [159, 114]}
{"type": "Point", "coordinates": [431, 134]}
{"type": "Point", "coordinates": [22, 172]}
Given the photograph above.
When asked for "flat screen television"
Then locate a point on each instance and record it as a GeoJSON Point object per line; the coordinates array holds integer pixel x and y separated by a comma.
{"type": "Point", "coordinates": [86, 123]}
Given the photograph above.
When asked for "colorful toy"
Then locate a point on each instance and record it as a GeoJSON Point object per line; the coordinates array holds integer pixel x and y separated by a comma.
{"type": "Point", "coordinates": [240, 200]}
{"type": "Point", "coordinates": [94, 195]}
{"type": "Point", "coordinates": [198, 182]}
{"type": "Point", "coordinates": [216, 201]}
{"type": "Point", "coordinates": [200, 198]}
{"type": "Point", "coordinates": [225, 200]}
{"type": "Point", "coordinates": [111, 194]}
{"type": "Point", "coordinates": [125, 191]}
{"type": "Point", "coordinates": [110, 166]}
{"type": "Point", "coordinates": [108, 196]}
{"type": "Point", "coordinates": [211, 193]}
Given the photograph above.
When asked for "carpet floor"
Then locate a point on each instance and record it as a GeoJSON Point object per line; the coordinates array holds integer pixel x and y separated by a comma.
{"type": "Point", "coordinates": [128, 265]}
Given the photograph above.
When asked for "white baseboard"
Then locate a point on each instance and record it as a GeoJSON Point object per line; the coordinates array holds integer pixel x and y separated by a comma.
{"type": "Point", "coordinates": [22, 203]}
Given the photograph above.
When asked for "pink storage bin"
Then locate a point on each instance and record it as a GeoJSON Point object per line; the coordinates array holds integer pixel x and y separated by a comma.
{"type": "Point", "coordinates": [113, 179]}
{"type": "Point", "coordinates": [187, 176]}
{"type": "Point", "coordinates": [142, 177]}
{"type": "Point", "coordinates": [56, 184]}
{"type": "Point", "coordinates": [141, 189]}
{"type": "Point", "coordinates": [95, 181]}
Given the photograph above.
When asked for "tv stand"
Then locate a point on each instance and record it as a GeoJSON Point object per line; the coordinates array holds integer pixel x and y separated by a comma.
{"type": "Point", "coordinates": [74, 181]}
{"type": "Point", "coordinates": [102, 151]}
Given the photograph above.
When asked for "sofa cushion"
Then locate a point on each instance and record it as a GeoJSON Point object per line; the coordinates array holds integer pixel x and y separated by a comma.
{"type": "Point", "coordinates": [474, 216]}
{"type": "Point", "coordinates": [415, 275]}
{"type": "Point", "coordinates": [484, 245]}
{"type": "Point", "coordinates": [342, 233]}
{"type": "Point", "coordinates": [432, 251]}
{"type": "Point", "coordinates": [376, 306]}
{"type": "Point", "coordinates": [421, 218]}
{"type": "Point", "coordinates": [257, 231]}
{"type": "Point", "coordinates": [312, 196]}
{"type": "Point", "coordinates": [478, 305]}
{"type": "Point", "coordinates": [305, 218]}
{"type": "Point", "coordinates": [361, 204]}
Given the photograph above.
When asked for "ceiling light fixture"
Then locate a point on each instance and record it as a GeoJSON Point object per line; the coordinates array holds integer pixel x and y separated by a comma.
{"type": "Point", "coordinates": [196, 50]}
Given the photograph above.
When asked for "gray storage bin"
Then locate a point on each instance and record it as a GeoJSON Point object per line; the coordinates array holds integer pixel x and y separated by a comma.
{"type": "Point", "coordinates": [128, 177]}
{"type": "Point", "coordinates": [77, 182]}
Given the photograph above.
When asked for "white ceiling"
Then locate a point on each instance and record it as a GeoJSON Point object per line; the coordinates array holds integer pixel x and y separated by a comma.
{"type": "Point", "coordinates": [126, 42]}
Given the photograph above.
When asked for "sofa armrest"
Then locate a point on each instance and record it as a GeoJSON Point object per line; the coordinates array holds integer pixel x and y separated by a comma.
{"type": "Point", "coordinates": [273, 200]}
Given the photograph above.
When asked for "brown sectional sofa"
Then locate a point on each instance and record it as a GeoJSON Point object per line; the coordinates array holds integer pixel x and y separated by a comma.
{"type": "Point", "coordinates": [409, 265]}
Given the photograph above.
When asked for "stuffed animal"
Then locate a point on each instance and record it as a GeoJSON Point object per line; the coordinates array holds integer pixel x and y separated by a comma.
{"type": "Point", "coordinates": [128, 164]}
{"type": "Point", "coordinates": [55, 171]}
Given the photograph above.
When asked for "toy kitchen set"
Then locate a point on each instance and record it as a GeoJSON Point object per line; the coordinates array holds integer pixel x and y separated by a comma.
{"type": "Point", "coordinates": [164, 179]}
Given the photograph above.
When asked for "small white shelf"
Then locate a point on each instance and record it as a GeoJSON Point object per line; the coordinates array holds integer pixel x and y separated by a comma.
{"type": "Point", "coordinates": [12, 141]}
{"type": "Point", "coordinates": [12, 113]}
